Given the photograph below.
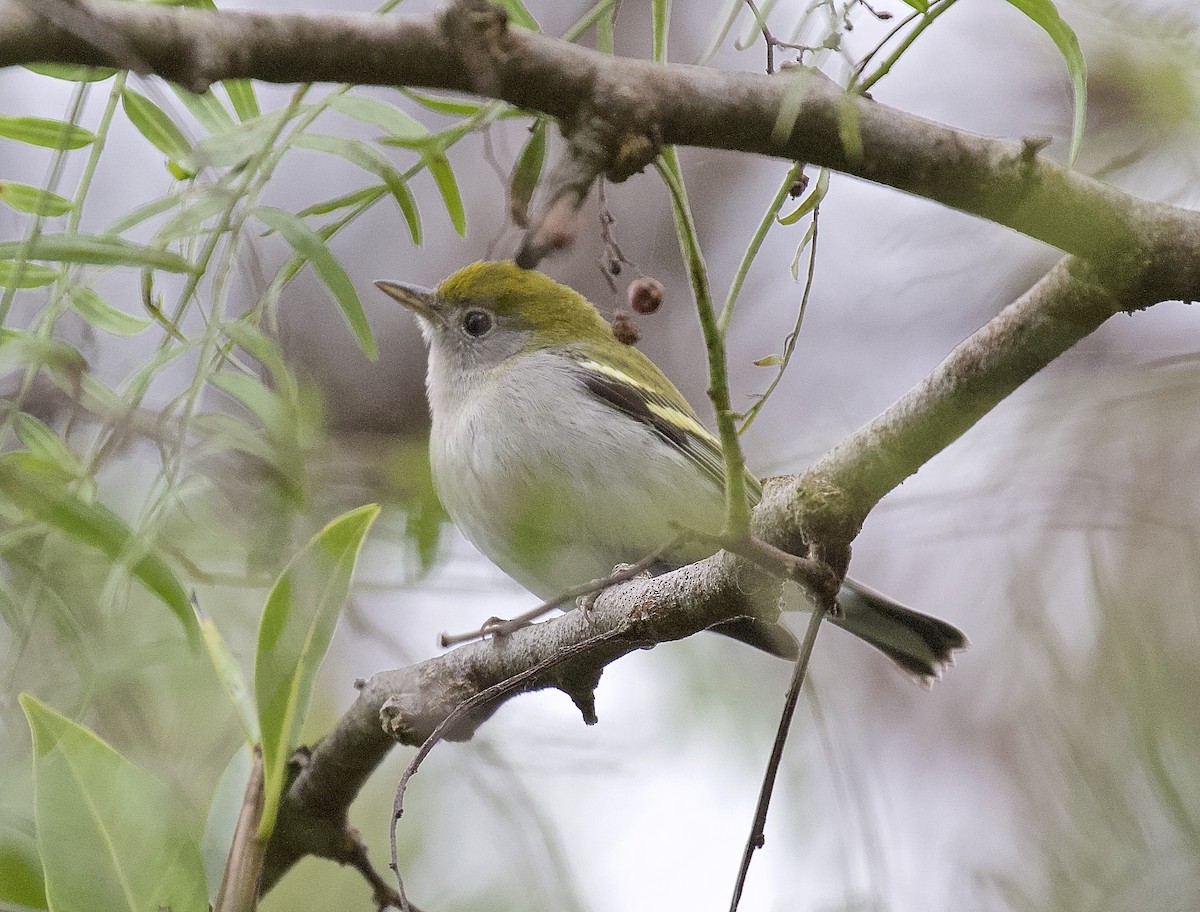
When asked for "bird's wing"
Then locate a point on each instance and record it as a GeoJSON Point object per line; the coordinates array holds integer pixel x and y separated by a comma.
{"type": "Point", "coordinates": [666, 413]}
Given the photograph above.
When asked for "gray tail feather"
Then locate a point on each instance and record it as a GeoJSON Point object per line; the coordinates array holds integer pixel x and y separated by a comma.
{"type": "Point", "coordinates": [922, 645]}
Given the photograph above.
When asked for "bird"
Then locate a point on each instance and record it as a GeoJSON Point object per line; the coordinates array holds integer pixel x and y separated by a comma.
{"type": "Point", "coordinates": [560, 452]}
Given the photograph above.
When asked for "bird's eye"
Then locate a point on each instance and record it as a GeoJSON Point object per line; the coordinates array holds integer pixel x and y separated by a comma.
{"type": "Point", "coordinates": [476, 323]}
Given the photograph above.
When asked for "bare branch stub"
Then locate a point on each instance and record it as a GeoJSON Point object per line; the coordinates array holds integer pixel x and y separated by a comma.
{"type": "Point", "coordinates": [616, 136]}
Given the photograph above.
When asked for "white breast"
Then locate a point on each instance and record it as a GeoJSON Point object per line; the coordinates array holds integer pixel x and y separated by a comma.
{"type": "Point", "coordinates": [556, 495]}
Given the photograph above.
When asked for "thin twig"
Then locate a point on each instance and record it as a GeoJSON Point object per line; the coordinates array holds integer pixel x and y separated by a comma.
{"type": "Point", "coordinates": [480, 699]}
{"type": "Point", "coordinates": [382, 892]}
{"type": "Point", "coordinates": [497, 627]}
{"type": "Point", "coordinates": [757, 836]}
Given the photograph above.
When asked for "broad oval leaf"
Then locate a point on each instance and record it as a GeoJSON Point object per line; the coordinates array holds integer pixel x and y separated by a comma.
{"type": "Point", "coordinates": [297, 624]}
{"type": "Point", "coordinates": [109, 833]}
{"type": "Point", "coordinates": [312, 247]}
{"type": "Point", "coordinates": [22, 880]}
{"type": "Point", "coordinates": [97, 249]}
{"type": "Point", "coordinates": [37, 487]}
{"type": "Point", "coordinates": [33, 200]}
{"type": "Point", "coordinates": [52, 134]}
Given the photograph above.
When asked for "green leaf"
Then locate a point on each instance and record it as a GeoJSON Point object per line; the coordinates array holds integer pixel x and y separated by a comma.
{"type": "Point", "coordinates": [449, 106]}
{"type": "Point", "coordinates": [45, 444]}
{"type": "Point", "coordinates": [312, 247]}
{"type": "Point", "coordinates": [156, 125]}
{"type": "Point", "coordinates": [53, 134]}
{"type": "Point", "coordinates": [369, 159]}
{"type": "Point", "coordinates": [36, 486]}
{"type": "Point", "coordinates": [33, 200]}
{"type": "Point", "coordinates": [526, 173]}
{"type": "Point", "coordinates": [233, 147]}
{"type": "Point", "coordinates": [110, 835]}
{"type": "Point", "coordinates": [810, 202]}
{"type": "Point", "coordinates": [70, 72]}
{"type": "Point", "coordinates": [769, 361]}
{"type": "Point", "coordinates": [297, 624]}
{"type": "Point", "coordinates": [389, 118]}
{"type": "Point", "coordinates": [99, 249]}
{"type": "Point", "coordinates": [921, 6]}
{"type": "Point", "coordinates": [233, 682]}
{"type": "Point", "coordinates": [21, 878]}
{"type": "Point", "coordinates": [25, 275]}
{"type": "Point", "coordinates": [24, 349]}
{"type": "Point", "coordinates": [365, 195]}
{"type": "Point", "coordinates": [206, 108]}
{"type": "Point", "coordinates": [519, 15]}
{"type": "Point", "coordinates": [1045, 14]}
{"type": "Point", "coordinates": [443, 176]}
{"type": "Point", "coordinates": [103, 315]}
{"type": "Point", "coordinates": [262, 402]}
{"type": "Point", "coordinates": [242, 97]}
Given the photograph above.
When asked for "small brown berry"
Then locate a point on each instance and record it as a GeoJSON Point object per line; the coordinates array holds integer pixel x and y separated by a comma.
{"type": "Point", "coordinates": [645, 295]}
{"type": "Point", "coordinates": [624, 329]}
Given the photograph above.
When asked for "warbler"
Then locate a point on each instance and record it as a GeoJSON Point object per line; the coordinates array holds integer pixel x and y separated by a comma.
{"type": "Point", "coordinates": [560, 453]}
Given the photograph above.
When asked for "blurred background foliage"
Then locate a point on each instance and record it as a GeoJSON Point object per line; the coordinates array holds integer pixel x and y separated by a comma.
{"type": "Point", "coordinates": [227, 418]}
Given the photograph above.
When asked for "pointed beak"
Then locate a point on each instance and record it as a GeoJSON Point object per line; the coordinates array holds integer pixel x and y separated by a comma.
{"type": "Point", "coordinates": [421, 301]}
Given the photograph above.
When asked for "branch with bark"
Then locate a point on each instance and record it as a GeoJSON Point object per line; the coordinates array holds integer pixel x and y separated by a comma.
{"type": "Point", "coordinates": [1125, 254]}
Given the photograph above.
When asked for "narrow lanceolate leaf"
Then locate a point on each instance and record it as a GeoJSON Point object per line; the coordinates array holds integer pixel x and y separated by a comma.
{"type": "Point", "coordinates": [71, 73]}
{"type": "Point", "coordinates": [103, 315]}
{"type": "Point", "coordinates": [53, 134]}
{"type": "Point", "coordinates": [242, 97]}
{"type": "Point", "coordinates": [110, 836]}
{"type": "Point", "coordinates": [297, 624]}
{"type": "Point", "coordinates": [810, 202]}
{"type": "Point", "coordinates": [98, 249]}
{"type": "Point", "coordinates": [1045, 14]}
{"type": "Point", "coordinates": [230, 675]}
{"type": "Point", "coordinates": [921, 6]}
{"type": "Point", "coordinates": [345, 201]}
{"type": "Point", "coordinates": [206, 108]}
{"type": "Point", "coordinates": [25, 275]}
{"type": "Point", "coordinates": [443, 176]}
{"type": "Point", "coordinates": [312, 247]}
{"type": "Point", "coordinates": [40, 440]}
{"type": "Point", "coordinates": [396, 123]}
{"type": "Point", "coordinates": [369, 159]}
{"type": "Point", "coordinates": [156, 125]}
{"type": "Point", "coordinates": [33, 200]}
{"type": "Point", "coordinates": [525, 175]}
{"type": "Point", "coordinates": [37, 487]}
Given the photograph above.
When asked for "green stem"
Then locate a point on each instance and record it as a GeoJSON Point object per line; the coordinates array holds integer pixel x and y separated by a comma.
{"type": "Point", "coordinates": [885, 67]}
{"type": "Point", "coordinates": [760, 235]}
{"type": "Point", "coordinates": [737, 507]}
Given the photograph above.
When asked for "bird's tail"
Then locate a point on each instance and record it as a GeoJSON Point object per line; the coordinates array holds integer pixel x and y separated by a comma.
{"type": "Point", "coordinates": [922, 645]}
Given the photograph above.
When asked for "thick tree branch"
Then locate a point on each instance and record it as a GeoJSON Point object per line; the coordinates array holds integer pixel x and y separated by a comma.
{"type": "Point", "coordinates": [796, 115]}
{"type": "Point", "coordinates": [1129, 254]}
